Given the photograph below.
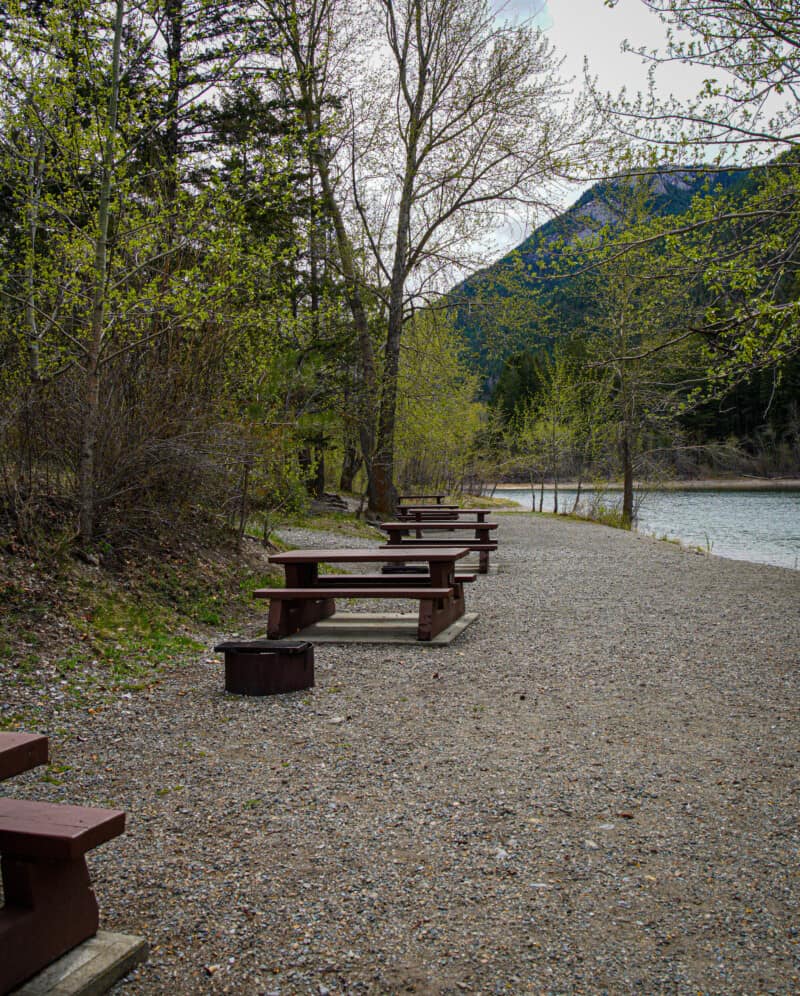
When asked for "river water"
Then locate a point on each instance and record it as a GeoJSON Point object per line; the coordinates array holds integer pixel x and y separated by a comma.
{"type": "Point", "coordinates": [761, 526]}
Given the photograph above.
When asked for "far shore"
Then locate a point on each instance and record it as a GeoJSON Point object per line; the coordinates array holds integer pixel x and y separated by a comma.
{"type": "Point", "coordinates": [705, 484]}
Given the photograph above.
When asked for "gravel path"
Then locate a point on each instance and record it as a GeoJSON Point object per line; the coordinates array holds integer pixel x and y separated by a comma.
{"type": "Point", "coordinates": [594, 789]}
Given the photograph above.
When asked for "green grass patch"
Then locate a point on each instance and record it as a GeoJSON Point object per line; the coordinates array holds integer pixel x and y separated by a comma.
{"type": "Point", "coordinates": [608, 515]}
{"type": "Point", "coordinates": [251, 582]}
{"type": "Point", "coordinates": [346, 523]}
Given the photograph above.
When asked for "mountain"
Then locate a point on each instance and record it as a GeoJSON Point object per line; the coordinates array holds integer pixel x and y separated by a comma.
{"type": "Point", "coordinates": [489, 306]}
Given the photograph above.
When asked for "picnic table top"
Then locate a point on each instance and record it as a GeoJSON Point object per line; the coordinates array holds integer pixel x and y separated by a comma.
{"type": "Point", "coordinates": [431, 524]}
{"type": "Point", "coordinates": [369, 554]}
{"type": "Point", "coordinates": [440, 508]}
{"type": "Point", "coordinates": [20, 752]}
{"type": "Point", "coordinates": [428, 507]}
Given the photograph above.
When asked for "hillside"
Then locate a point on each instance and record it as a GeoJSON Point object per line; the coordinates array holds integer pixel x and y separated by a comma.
{"type": "Point", "coordinates": [493, 317]}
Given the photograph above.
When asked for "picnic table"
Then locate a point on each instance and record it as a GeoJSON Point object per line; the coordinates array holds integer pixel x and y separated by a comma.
{"type": "Point", "coordinates": [20, 752]}
{"type": "Point", "coordinates": [417, 513]}
{"type": "Point", "coordinates": [49, 903]}
{"type": "Point", "coordinates": [438, 498]}
{"type": "Point", "coordinates": [481, 541]}
{"type": "Point", "coordinates": [310, 597]}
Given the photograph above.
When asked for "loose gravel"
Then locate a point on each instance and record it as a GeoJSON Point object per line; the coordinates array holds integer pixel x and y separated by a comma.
{"type": "Point", "coordinates": [594, 789]}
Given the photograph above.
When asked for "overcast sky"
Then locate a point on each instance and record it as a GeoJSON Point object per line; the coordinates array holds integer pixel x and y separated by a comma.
{"type": "Point", "coordinates": [587, 29]}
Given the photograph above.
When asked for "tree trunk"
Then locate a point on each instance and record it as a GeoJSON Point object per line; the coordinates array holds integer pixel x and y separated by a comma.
{"type": "Point", "coordinates": [577, 495]}
{"type": "Point", "coordinates": [86, 462]}
{"type": "Point", "coordinates": [383, 499]}
{"type": "Point", "coordinates": [627, 478]}
{"type": "Point", "coordinates": [351, 462]}
{"type": "Point", "coordinates": [318, 481]}
{"type": "Point", "coordinates": [173, 17]}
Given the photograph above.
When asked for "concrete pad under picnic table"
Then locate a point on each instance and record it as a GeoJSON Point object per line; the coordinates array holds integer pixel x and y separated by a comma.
{"type": "Point", "coordinates": [470, 564]}
{"type": "Point", "coordinates": [379, 627]}
{"type": "Point", "coordinates": [89, 969]}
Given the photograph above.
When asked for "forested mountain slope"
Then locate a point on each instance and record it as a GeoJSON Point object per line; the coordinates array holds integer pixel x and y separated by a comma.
{"type": "Point", "coordinates": [547, 290]}
{"type": "Point", "coordinates": [499, 309]}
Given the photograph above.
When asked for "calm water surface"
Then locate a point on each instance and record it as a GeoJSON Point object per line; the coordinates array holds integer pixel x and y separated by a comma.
{"type": "Point", "coordinates": [761, 526]}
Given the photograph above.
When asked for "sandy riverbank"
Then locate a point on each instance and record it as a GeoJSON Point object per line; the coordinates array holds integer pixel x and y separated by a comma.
{"type": "Point", "coordinates": [594, 789]}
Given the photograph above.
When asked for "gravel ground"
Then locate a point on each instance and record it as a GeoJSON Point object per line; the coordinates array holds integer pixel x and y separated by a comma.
{"type": "Point", "coordinates": [594, 789]}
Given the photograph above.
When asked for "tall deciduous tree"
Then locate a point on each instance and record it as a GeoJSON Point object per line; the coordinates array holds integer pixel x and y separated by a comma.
{"type": "Point", "coordinates": [631, 339]}
{"type": "Point", "coordinates": [478, 121]}
{"type": "Point", "coordinates": [449, 119]}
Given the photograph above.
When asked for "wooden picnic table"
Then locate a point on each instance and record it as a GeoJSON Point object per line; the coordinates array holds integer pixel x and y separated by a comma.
{"type": "Point", "coordinates": [419, 512]}
{"type": "Point", "coordinates": [439, 498]}
{"type": "Point", "coordinates": [399, 534]}
{"type": "Point", "coordinates": [309, 598]}
{"type": "Point", "coordinates": [49, 906]}
{"type": "Point", "coordinates": [20, 752]}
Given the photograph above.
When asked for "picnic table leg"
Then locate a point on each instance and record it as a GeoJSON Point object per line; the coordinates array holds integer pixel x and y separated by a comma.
{"type": "Point", "coordinates": [287, 616]}
{"type": "Point", "coordinates": [436, 614]}
{"type": "Point", "coordinates": [482, 534]}
{"type": "Point", "coordinates": [49, 908]}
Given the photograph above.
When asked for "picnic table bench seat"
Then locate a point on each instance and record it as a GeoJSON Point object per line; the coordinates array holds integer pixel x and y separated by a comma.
{"type": "Point", "coordinates": [20, 752]}
{"type": "Point", "coordinates": [292, 609]}
{"type": "Point", "coordinates": [54, 831]}
{"type": "Point", "coordinates": [356, 591]}
{"type": "Point", "coordinates": [415, 579]}
{"type": "Point", "coordinates": [427, 508]}
{"type": "Point", "coordinates": [50, 907]}
{"type": "Point", "coordinates": [438, 498]}
{"type": "Point", "coordinates": [441, 512]}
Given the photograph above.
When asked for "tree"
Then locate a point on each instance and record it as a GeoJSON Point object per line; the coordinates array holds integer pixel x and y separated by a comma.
{"type": "Point", "coordinates": [746, 112]}
{"type": "Point", "coordinates": [118, 277]}
{"type": "Point", "coordinates": [473, 104]}
{"type": "Point", "coordinates": [748, 105]}
{"type": "Point", "coordinates": [520, 379]}
{"type": "Point", "coordinates": [438, 416]}
{"type": "Point", "coordinates": [317, 39]}
{"type": "Point", "coordinates": [648, 368]}
{"type": "Point", "coordinates": [453, 118]}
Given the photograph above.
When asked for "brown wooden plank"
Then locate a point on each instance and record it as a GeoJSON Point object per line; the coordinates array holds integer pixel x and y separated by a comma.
{"type": "Point", "coordinates": [20, 752]}
{"type": "Point", "coordinates": [430, 524]}
{"type": "Point", "coordinates": [287, 594]}
{"type": "Point", "coordinates": [452, 552]}
{"type": "Point", "coordinates": [410, 543]}
{"type": "Point", "coordinates": [55, 832]}
{"type": "Point", "coordinates": [335, 580]}
{"type": "Point", "coordinates": [427, 508]}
